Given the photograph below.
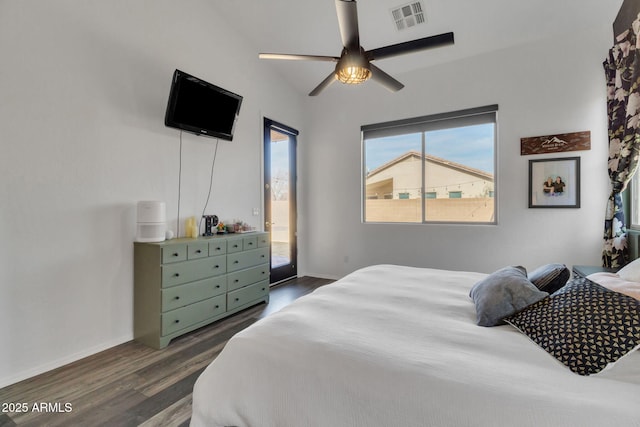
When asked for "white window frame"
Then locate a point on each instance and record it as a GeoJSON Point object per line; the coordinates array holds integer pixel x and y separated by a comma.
{"type": "Point", "coordinates": [634, 202]}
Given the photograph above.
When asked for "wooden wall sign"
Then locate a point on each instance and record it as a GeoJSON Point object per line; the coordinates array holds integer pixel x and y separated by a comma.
{"type": "Point", "coordinates": [575, 141]}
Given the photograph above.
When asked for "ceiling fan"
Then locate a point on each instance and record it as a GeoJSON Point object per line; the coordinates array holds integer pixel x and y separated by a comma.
{"type": "Point", "coordinates": [354, 63]}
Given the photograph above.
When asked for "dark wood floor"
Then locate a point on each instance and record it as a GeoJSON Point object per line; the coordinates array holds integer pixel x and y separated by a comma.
{"type": "Point", "coordinates": [131, 384]}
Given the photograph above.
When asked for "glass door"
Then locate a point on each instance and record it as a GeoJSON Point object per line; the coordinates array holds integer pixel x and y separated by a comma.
{"type": "Point", "coordinates": [280, 198]}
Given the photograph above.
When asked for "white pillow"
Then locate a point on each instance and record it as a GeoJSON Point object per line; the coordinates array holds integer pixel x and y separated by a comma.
{"type": "Point", "coordinates": [616, 283]}
{"type": "Point", "coordinates": [631, 271]}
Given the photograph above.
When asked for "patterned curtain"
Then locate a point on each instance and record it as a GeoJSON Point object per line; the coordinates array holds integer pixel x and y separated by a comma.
{"type": "Point", "coordinates": [622, 70]}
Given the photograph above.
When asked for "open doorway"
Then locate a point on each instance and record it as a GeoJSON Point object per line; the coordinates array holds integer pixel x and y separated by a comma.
{"type": "Point", "coordinates": [280, 209]}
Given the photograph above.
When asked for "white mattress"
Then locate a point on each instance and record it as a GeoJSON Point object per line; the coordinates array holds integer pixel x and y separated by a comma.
{"type": "Point", "coordinates": [398, 346]}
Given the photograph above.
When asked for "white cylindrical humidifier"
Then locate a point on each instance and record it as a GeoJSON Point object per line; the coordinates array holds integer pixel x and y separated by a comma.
{"type": "Point", "coordinates": [152, 218]}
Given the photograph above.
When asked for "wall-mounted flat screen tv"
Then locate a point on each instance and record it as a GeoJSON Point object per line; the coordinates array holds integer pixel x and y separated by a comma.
{"type": "Point", "coordinates": [202, 108]}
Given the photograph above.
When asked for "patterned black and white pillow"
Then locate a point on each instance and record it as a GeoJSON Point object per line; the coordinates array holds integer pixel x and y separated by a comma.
{"type": "Point", "coordinates": [584, 325]}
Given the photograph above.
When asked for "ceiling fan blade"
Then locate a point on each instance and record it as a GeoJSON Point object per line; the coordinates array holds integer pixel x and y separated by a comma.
{"type": "Point", "coordinates": [325, 84]}
{"type": "Point", "coordinates": [385, 79]}
{"type": "Point", "coordinates": [293, 57]}
{"type": "Point", "coordinates": [348, 24]}
{"type": "Point", "coordinates": [410, 46]}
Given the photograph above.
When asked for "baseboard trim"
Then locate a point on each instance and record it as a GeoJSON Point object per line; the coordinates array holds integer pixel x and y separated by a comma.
{"type": "Point", "coordinates": [321, 276]}
{"type": "Point", "coordinates": [29, 373]}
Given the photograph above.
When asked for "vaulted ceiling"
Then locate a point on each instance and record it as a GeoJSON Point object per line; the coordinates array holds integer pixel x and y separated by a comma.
{"type": "Point", "coordinates": [311, 27]}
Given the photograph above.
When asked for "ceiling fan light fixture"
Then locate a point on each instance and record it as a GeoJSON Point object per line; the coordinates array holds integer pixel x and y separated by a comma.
{"type": "Point", "coordinates": [353, 69]}
{"type": "Point", "coordinates": [353, 75]}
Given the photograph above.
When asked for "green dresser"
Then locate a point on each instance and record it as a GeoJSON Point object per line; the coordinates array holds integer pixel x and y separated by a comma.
{"type": "Point", "coordinates": [183, 284]}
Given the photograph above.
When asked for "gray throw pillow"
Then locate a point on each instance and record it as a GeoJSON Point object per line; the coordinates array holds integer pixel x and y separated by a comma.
{"type": "Point", "coordinates": [503, 293]}
{"type": "Point", "coordinates": [550, 277]}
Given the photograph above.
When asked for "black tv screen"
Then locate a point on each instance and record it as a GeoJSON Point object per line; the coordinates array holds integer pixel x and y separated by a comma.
{"type": "Point", "coordinates": [202, 108]}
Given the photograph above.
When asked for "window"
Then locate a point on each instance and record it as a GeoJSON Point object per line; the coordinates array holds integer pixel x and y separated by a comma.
{"type": "Point", "coordinates": [634, 199]}
{"type": "Point", "coordinates": [438, 168]}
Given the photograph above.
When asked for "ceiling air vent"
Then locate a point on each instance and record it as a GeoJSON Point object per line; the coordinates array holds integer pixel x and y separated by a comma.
{"type": "Point", "coordinates": [408, 15]}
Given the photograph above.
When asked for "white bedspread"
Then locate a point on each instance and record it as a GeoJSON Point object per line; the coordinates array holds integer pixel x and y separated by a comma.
{"type": "Point", "coordinates": [398, 346]}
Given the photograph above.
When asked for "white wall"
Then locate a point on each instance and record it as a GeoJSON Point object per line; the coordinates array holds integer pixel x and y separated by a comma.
{"type": "Point", "coordinates": [83, 91]}
{"type": "Point", "coordinates": [547, 87]}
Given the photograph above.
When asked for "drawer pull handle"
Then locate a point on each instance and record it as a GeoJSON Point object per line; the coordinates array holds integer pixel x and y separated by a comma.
{"type": "Point", "coordinates": [217, 306]}
{"type": "Point", "coordinates": [237, 299]}
{"type": "Point", "coordinates": [262, 256]}
{"type": "Point", "coordinates": [198, 251]}
{"type": "Point", "coordinates": [217, 266]}
{"type": "Point", "coordinates": [177, 321]}
{"type": "Point", "coordinates": [176, 254]}
{"type": "Point", "coordinates": [177, 297]}
{"type": "Point", "coordinates": [236, 281]}
{"type": "Point", "coordinates": [263, 289]}
{"type": "Point", "coordinates": [176, 275]}
{"type": "Point", "coordinates": [218, 248]}
{"type": "Point", "coordinates": [264, 272]}
{"type": "Point", "coordinates": [250, 243]}
{"type": "Point", "coordinates": [235, 246]}
{"type": "Point", "coordinates": [236, 261]}
{"type": "Point", "coordinates": [217, 286]}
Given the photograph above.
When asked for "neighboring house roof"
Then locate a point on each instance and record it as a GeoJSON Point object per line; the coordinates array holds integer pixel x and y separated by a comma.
{"type": "Point", "coordinates": [434, 159]}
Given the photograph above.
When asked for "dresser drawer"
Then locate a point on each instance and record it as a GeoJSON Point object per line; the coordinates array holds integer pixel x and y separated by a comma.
{"type": "Point", "coordinates": [263, 240]}
{"type": "Point", "coordinates": [174, 253]}
{"type": "Point", "coordinates": [250, 242]}
{"type": "Point", "coordinates": [247, 259]}
{"type": "Point", "coordinates": [188, 271]}
{"type": "Point", "coordinates": [180, 296]}
{"type": "Point", "coordinates": [247, 294]}
{"type": "Point", "coordinates": [184, 317]}
{"type": "Point", "coordinates": [217, 247]}
{"type": "Point", "coordinates": [197, 250]}
{"type": "Point", "coordinates": [246, 277]}
{"type": "Point", "coordinates": [234, 245]}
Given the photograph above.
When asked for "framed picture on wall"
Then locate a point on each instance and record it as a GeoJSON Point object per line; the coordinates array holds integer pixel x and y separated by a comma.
{"type": "Point", "coordinates": [554, 183]}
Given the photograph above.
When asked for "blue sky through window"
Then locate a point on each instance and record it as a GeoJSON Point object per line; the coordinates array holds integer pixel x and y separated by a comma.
{"type": "Point", "coordinates": [471, 146]}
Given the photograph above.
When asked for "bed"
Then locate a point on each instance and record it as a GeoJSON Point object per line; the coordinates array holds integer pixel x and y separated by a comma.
{"type": "Point", "coordinates": [400, 346]}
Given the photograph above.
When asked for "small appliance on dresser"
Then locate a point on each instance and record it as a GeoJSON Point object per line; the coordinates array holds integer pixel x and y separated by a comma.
{"type": "Point", "coordinates": [152, 218]}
